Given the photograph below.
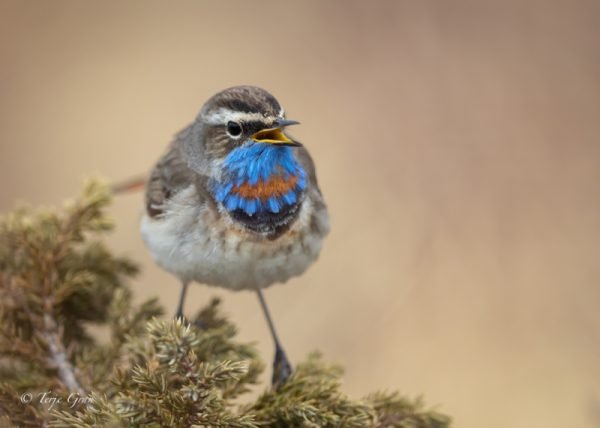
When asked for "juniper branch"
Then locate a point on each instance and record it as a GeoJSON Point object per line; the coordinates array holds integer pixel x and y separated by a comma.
{"type": "Point", "coordinates": [56, 280]}
{"type": "Point", "coordinates": [58, 355]}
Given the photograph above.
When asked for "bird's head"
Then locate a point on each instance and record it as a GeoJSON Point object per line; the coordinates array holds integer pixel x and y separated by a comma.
{"type": "Point", "coordinates": [237, 116]}
{"type": "Point", "coordinates": [238, 142]}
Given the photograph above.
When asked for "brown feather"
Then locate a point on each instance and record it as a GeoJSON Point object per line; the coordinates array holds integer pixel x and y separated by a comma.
{"type": "Point", "coordinates": [170, 175]}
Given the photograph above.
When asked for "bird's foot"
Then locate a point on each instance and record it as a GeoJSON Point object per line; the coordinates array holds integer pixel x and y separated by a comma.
{"type": "Point", "coordinates": [197, 323]}
{"type": "Point", "coordinates": [179, 316]}
{"type": "Point", "coordinates": [282, 369]}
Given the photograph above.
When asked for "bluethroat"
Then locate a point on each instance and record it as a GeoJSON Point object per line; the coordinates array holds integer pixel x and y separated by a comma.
{"type": "Point", "coordinates": [234, 202]}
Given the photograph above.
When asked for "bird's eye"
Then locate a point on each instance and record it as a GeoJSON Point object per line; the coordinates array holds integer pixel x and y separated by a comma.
{"type": "Point", "coordinates": [234, 129]}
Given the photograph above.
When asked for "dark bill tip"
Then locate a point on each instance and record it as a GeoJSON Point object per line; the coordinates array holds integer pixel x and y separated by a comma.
{"type": "Point", "coordinates": [281, 123]}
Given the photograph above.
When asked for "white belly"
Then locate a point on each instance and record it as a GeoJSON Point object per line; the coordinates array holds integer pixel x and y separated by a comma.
{"type": "Point", "coordinates": [197, 244]}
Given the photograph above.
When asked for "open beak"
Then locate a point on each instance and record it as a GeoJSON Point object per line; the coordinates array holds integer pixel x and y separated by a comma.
{"type": "Point", "coordinates": [275, 134]}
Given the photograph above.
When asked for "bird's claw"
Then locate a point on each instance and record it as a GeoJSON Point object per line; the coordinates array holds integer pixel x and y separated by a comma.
{"type": "Point", "coordinates": [282, 369]}
{"type": "Point", "coordinates": [199, 324]}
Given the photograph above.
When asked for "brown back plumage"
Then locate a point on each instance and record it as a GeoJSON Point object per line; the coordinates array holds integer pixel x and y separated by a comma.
{"type": "Point", "coordinates": [170, 175]}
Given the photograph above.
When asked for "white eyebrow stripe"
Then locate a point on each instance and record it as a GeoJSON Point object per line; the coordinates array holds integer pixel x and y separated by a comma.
{"type": "Point", "coordinates": [223, 115]}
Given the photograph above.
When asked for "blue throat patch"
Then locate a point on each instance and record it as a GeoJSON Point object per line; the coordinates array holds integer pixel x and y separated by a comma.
{"type": "Point", "coordinates": [259, 178]}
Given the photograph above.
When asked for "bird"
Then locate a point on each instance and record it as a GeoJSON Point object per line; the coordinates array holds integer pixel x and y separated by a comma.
{"type": "Point", "coordinates": [234, 202]}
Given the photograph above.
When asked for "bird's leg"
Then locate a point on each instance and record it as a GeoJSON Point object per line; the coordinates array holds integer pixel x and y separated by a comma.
{"type": "Point", "coordinates": [179, 313]}
{"type": "Point", "coordinates": [282, 368]}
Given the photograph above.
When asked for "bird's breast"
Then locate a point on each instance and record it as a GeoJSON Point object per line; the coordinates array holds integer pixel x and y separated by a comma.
{"type": "Point", "coordinates": [195, 243]}
{"type": "Point", "coordinates": [274, 187]}
{"type": "Point", "coordinates": [261, 188]}
{"type": "Point", "coordinates": [273, 194]}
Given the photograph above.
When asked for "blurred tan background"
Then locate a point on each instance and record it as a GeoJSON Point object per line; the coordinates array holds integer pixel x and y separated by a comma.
{"type": "Point", "coordinates": [456, 144]}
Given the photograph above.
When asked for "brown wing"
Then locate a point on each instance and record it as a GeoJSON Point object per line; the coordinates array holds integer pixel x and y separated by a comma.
{"type": "Point", "coordinates": [309, 166]}
{"type": "Point", "coordinates": [170, 175]}
{"type": "Point", "coordinates": [320, 219]}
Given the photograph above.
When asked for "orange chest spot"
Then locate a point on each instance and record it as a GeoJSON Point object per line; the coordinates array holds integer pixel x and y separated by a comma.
{"type": "Point", "coordinates": [263, 190]}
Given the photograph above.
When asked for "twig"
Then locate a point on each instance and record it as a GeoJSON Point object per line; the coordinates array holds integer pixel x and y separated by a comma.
{"type": "Point", "coordinates": [58, 355]}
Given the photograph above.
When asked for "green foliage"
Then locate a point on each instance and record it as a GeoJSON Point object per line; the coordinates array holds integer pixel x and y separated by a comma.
{"type": "Point", "coordinates": [57, 280]}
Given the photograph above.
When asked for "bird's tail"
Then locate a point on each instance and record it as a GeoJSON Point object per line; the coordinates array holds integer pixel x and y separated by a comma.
{"type": "Point", "coordinates": [129, 185]}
